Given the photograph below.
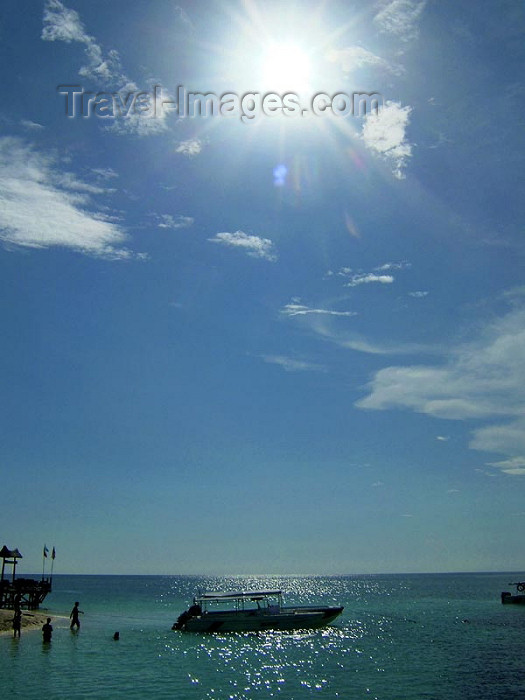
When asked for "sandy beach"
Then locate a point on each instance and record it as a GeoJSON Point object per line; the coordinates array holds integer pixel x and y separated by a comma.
{"type": "Point", "coordinates": [31, 620]}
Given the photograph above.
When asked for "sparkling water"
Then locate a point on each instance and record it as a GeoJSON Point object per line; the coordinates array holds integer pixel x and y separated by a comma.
{"type": "Point", "coordinates": [405, 637]}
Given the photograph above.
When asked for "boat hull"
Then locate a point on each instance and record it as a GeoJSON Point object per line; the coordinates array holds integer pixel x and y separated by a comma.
{"type": "Point", "coordinates": [509, 599]}
{"type": "Point", "coordinates": [259, 620]}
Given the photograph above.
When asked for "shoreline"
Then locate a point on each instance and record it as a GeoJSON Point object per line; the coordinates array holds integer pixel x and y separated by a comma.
{"type": "Point", "coordinates": [31, 620]}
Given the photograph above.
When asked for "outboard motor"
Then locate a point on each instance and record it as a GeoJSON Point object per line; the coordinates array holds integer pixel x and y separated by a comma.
{"type": "Point", "coordinates": [194, 611]}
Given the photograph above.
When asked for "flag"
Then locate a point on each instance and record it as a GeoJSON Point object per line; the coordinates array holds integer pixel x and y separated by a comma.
{"type": "Point", "coordinates": [46, 550]}
{"type": "Point", "coordinates": [53, 553]}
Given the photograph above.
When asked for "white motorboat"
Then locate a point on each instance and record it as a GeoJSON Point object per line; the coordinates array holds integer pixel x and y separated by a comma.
{"type": "Point", "coordinates": [251, 611]}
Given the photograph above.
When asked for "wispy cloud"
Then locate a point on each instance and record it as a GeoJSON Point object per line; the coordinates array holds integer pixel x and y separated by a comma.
{"type": "Point", "coordinates": [369, 278]}
{"type": "Point", "coordinates": [172, 222]}
{"type": "Point", "coordinates": [105, 173]}
{"type": "Point", "coordinates": [322, 323]}
{"type": "Point", "coordinates": [42, 206]}
{"type": "Point", "coordinates": [31, 126]}
{"type": "Point", "coordinates": [64, 24]}
{"type": "Point", "coordinates": [385, 134]}
{"type": "Point", "coordinates": [400, 18]}
{"type": "Point", "coordinates": [141, 123]}
{"type": "Point", "coordinates": [292, 365]}
{"type": "Point", "coordinates": [70, 181]}
{"type": "Point", "coordinates": [483, 380]}
{"type": "Point", "coordinates": [418, 295]}
{"type": "Point", "coordinates": [190, 147]}
{"type": "Point", "coordinates": [184, 18]}
{"type": "Point", "coordinates": [296, 309]}
{"type": "Point", "coordinates": [60, 23]}
{"type": "Point", "coordinates": [358, 343]}
{"type": "Point", "coordinates": [254, 246]}
{"type": "Point", "coordinates": [515, 465]}
{"type": "Point", "coordinates": [403, 265]}
{"type": "Point", "coordinates": [358, 277]}
{"type": "Point", "coordinates": [353, 58]}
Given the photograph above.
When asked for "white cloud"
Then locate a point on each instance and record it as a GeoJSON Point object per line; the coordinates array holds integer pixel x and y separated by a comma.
{"type": "Point", "coordinates": [369, 278]}
{"type": "Point", "coordinates": [483, 380]}
{"type": "Point", "coordinates": [63, 24]}
{"type": "Point", "coordinates": [353, 58]}
{"type": "Point", "coordinates": [400, 18]}
{"type": "Point", "coordinates": [158, 105]}
{"type": "Point", "coordinates": [104, 173]}
{"type": "Point", "coordinates": [418, 295]}
{"type": "Point", "coordinates": [493, 438]}
{"type": "Point", "coordinates": [31, 126]}
{"type": "Point", "coordinates": [393, 266]}
{"type": "Point", "coordinates": [184, 18]}
{"type": "Point", "coordinates": [40, 206]}
{"type": "Point", "coordinates": [254, 246]}
{"type": "Point", "coordinates": [171, 222]}
{"type": "Point", "coordinates": [321, 325]}
{"type": "Point", "coordinates": [360, 344]}
{"type": "Point", "coordinates": [515, 465]}
{"type": "Point", "coordinates": [442, 438]}
{"type": "Point", "coordinates": [296, 309]}
{"type": "Point", "coordinates": [291, 365]}
{"type": "Point", "coordinates": [357, 278]}
{"type": "Point", "coordinates": [190, 147]}
{"type": "Point", "coordinates": [384, 134]}
{"type": "Point", "coordinates": [71, 182]}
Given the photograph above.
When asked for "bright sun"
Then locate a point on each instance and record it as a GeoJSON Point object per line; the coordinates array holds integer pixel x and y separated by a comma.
{"type": "Point", "coordinates": [286, 68]}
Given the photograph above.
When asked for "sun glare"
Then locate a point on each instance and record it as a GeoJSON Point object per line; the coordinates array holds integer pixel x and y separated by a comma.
{"type": "Point", "coordinates": [286, 67]}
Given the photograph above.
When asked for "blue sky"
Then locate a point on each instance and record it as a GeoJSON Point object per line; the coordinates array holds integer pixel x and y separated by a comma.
{"type": "Point", "coordinates": [286, 344]}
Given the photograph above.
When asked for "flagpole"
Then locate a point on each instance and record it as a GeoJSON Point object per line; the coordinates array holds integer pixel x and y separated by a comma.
{"type": "Point", "coordinates": [44, 557]}
{"type": "Point", "coordinates": [53, 555]}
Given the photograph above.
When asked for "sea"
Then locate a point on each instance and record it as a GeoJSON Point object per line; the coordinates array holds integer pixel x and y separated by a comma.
{"type": "Point", "coordinates": [400, 637]}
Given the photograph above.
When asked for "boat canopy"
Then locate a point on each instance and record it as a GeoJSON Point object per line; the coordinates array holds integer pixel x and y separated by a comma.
{"type": "Point", "coordinates": [238, 595]}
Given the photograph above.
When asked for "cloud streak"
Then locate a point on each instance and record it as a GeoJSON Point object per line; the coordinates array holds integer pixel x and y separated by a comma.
{"type": "Point", "coordinates": [168, 221]}
{"type": "Point", "coordinates": [369, 278]}
{"type": "Point", "coordinates": [41, 206]}
{"type": "Point", "coordinates": [353, 58]}
{"type": "Point", "coordinates": [377, 276]}
{"type": "Point", "coordinates": [189, 148]}
{"type": "Point", "coordinates": [483, 380]}
{"type": "Point", "coordinates": [291, 365]}
{"type": "Point", "coordinates": [295, 309]}
{"type": "Point", "coordinates": [254, 246]}
{"type": "Point", "coordinates": [60, 23]}
{"type": "Point", "coordinates": [63, 24]}
{"type": "Point", "coordinates": [400, 18]}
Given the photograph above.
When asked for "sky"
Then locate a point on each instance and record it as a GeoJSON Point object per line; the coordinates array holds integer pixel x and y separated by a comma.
{"type": "Point", "coordinates": [262, 340]}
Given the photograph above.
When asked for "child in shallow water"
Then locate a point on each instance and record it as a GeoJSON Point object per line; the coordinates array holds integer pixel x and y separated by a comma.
{"type": "Point", "coordinates": [47, 631]}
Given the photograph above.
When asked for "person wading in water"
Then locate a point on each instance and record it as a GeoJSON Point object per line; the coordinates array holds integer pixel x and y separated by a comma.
{"type": "Point", "coordinates": [75, 622]}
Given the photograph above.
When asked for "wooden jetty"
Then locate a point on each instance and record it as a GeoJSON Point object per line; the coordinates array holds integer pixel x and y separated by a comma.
{"type": "Point", "coordinates": [25, 593]}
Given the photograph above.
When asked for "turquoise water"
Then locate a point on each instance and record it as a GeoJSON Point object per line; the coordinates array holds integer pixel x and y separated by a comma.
{"type": "Point", "coordinates": [405, 637]}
